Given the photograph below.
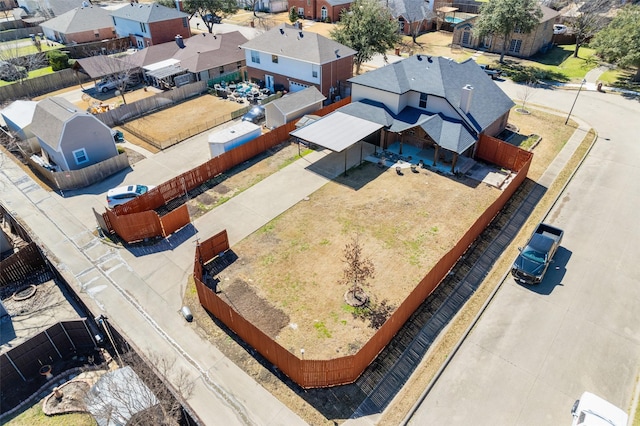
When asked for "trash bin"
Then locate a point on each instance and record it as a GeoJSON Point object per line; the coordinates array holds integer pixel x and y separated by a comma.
{"type": "Point", "coordinates": [186, 313]}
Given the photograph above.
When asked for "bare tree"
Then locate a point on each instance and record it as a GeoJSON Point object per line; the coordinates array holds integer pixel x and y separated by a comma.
{"type": "Point", "coordinates": [526, 92]}
{"type": "Point", "coordinates": [139, 393]}
{"type": "Point", "coordinates": [117, 69]}
{"type": "Point", "coordinates": [15, 64]}
{"type": "Point", "coordinates": [358, 269]}
{"type": "Point", "coordinates": [590, 18]}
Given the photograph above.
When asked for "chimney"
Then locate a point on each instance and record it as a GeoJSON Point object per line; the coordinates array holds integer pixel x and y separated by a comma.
{"type": "Point", "coordinates": [465, 98]}
{"type": "Point", "coordinates": [179, 41]}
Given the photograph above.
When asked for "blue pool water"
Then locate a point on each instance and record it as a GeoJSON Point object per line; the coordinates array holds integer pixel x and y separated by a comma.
{"type": "Point", "coordinates": [453, 19]}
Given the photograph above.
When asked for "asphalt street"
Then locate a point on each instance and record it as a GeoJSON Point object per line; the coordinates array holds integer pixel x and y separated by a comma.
{"type": "Point", "coordinates": [536, 349]}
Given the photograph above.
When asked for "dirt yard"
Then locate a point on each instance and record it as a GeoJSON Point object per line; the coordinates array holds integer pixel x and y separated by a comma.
{"type": "Point", "coordinates": [299, 236]}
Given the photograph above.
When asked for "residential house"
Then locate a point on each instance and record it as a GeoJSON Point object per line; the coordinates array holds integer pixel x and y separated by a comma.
{"type": "Point", "coordinates": [70, 138]}
{"type": "Point", "coordinates": [147, 24]}
{"type": "Point", "coordinates": [519, 44]}
{"type": "Point", "coordinates": [414, 17]}
{"type": "Point", "coordinates": [199, 58]}
{"type": "Point", "coordinates": [18, 116]}
{"type": "Point", "coordinates": [423, 101]}
{"type": "Point", "coordinates": [320, 10]}
{"type": "Point", "coordinates": [80, 25]}
{"type": "Point", "coordinates": [48, 9]}
{"type": "Point", "coordinates": [294, 59]}
{"type": "Point", "coordinates": [292, 106]}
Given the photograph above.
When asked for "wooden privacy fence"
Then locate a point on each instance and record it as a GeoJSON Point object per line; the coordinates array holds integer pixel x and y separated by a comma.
{"type": "Point", "coordinates": [503, 154]}
{"type": "Point", "coordinates": [41, 85]}
{"type": "Point", "coordinates": [74, 179]}
{"type": "Point", "coordinates": [343, 370]}
{"type": "Point", "coordinates": [21, 265]}
{"type": "Point", "coordinates": [127, 221]}
{"type": "Point", "coordinates": [62, 340]}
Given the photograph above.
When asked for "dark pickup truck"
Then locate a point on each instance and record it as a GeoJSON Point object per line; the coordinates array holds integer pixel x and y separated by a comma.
{"type": "Point", "coordinates": [491, 72]}
{"type": "Point", "coordinates": [534, 259]}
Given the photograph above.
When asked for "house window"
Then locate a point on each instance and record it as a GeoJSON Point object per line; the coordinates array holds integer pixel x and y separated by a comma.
{"type": "Point", "coordinates": [185, 22]}
{"type": "Point", "coordinates": [221, 69]}
{"type": "Point", "coordinates": [515, 45]}
{"type": "Point", "coordinates": [308, 2]}
{"type": "Point", "coordinates": [301, 12]}
{"type": "Point", "coordinates": [423, 100]}
{"type": "Point", "coordinates": [546, 24]}
{"type": "Point", "coordinates": [274, 59]}
{"type": "Point", "coordinates": [255, 57]}
{"type": "Point", "coordinates": [323, 13]}
{"type": "Point", "coordinates": [81, 156]}
{"type": "Point", "coordinates": [239, 64]}
{"type": "Point", "coordinates": [517, 29]}
{"type": "Point", "coordinates": [314, 71]}
{"type": "Point", "coordinates": [143, 27]}
{"type": "Point", "coordinates": [401, 24]}
{"type": "Point", "coordinates": [97, 35]}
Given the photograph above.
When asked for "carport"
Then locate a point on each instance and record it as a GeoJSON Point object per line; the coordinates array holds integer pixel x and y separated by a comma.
{"type": "Point", "coordinates": [338, 132]}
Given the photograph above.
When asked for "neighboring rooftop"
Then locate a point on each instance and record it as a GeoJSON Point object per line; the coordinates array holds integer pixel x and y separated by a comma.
{"type": "Point", "coordinates": [80, 19]}
{"type": "Point", "coordinates": [147, 12]}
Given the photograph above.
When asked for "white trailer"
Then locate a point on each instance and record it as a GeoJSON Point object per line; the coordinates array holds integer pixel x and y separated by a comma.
{"type": "Point", "coordinates": [221, 141]}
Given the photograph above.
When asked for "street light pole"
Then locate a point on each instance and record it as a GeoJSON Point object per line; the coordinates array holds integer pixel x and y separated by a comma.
{"type": "Point", "coordinates": [574, 101]}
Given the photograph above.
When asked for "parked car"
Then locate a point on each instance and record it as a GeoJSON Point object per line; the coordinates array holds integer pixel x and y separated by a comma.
{"type": "Point", "coordinates": [534, 259]}
{"type": "Point", "coordinates": [209, 17]}
{"type": "Point", "coordinates": [590, 409]}
{"type": "Point", "coordinates": [113, 83]}
{"type": "Point", "coordinates": [254, 115]}
{"type": "Point", "coordinates": [122, 194]}
{"type": "Point", "coordinates": [559, 29]}
{"type": "Point", "coordinates": [491, 72]}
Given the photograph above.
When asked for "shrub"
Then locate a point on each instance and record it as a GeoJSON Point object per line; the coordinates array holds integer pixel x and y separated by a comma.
{"type": "Point", "coordinates": [58, 60]}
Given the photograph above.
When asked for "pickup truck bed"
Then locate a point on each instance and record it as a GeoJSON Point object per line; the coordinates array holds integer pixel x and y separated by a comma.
{"type": "Point", "coordinates": [534, 259]}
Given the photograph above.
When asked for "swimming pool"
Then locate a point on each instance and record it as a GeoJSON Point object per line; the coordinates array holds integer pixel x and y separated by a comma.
{"type": "Point", "coordinates": [453, 19]}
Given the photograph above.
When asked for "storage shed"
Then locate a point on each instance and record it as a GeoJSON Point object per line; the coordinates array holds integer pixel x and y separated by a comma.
{"type": "Point", "coordinates": [292, 106]}
{"type": "Point", "coordinates": [221, 141]}
{"type": "Point", "coordinates": [18, 116]}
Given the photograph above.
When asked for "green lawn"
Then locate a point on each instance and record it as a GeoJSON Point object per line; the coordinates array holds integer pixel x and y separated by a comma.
{"type": "Point", "coordinates": [34, 416]}
{"type": "Point", "coordinates": [32, 74]}
{"type": "Point", "coordinates": [15, 48]}
{"type": "Point", "coordinates": [560, 59]}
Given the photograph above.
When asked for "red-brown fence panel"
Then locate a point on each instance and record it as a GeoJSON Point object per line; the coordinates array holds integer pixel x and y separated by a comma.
{"type": "Point", "coordinates": [175, 220]}
{"type": "Point", "coordinates": [136, 226]}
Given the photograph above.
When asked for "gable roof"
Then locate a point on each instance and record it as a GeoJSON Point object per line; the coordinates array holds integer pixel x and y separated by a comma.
{"type": "Point", "coordinates": [289, 42]}
{"type": "Point", "coordinates": [49, 119]}
{"type": "Point", "coordinates": [410, 10]}
{"type": "Point", "coordinates": [103, 65]}
{"type": "Point", "coordinates": [200, 52]}
{"type": "Point", "coordinates": [80, 19]}
{"type": "Point", "coordinates": [296, 101]}
{"type": "Point", "coordinates": [548, 13]}
{"type": "Point", "coordinates": [147, 12]}
{"type": "Point", "coordinates": [444, 78]}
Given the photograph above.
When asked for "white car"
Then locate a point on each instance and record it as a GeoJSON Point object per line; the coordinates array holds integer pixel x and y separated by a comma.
{"type": "Point", "coordinates": [590, 409]}
{"type": "Point", "coordinates": [112, 83]}
{"type": "Point", "coordinates": [122, 194]}
{"type": "Point", "coordinates": [559, 29]}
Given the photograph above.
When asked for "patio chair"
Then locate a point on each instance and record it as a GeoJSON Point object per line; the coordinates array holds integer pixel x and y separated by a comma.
{"type": "Point", "coordinates": [414, 167]}
{"type": "Point", "coordinates": [399, 170]}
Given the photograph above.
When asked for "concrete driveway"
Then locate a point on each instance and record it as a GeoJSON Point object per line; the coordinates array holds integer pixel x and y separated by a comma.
{"type": "Point", "coordinates": [536, 349]}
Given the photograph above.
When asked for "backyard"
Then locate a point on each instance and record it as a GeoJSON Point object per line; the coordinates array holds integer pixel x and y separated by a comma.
{"type": "Point", "coordinates": [290, 268]}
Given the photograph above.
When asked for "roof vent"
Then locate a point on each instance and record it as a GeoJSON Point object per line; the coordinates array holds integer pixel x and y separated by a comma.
{"type": "Point", "coordinates": [179, 41]}
{"type": "Point", "coordinates": [419, 57]}
{"type": "Point", "coordinates": [429, 59]}
{"type": "Point", "coordinates": [281, 30]}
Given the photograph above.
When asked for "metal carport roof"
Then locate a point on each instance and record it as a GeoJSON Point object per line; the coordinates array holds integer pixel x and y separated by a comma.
{"type": "Point", "coordinates": [336, 131]}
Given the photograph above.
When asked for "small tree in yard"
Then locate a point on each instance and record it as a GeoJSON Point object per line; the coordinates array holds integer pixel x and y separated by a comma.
{"type": "Point", "coordinates": [358, 269]}
{"type": "Point", "coordinates": [590, 18]}
{"type": "Point", "coordinates": [503, 17]}
{"type": "Point", "coordinates": [619, 42]}
{"type": "Point", "coordinates": [293, 15]}
{"type": "Point", "coordinates": [526, 92]}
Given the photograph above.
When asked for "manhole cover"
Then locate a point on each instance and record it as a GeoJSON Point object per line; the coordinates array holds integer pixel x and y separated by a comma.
{"type": "Point", "coordinates": [25, 293]}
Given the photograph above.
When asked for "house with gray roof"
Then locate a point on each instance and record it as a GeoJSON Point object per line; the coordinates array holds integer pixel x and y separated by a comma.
{"type": "Point", "coordinates": [200, 58]}
{"type": "Point", "coordinates": [71, 139]}
{"type": "Point", "coordinates": [293, 59]}
{"type": "Point", "coordinates": [414, 17]}
{"type": "Point", "coordinates": [423, 101]}
{"type": "Point", "coordinates": [80, 25]}
{"type": "Point", "coordinates": [147, 24]}
{"type": "Point", "coordinates": [293, 106]}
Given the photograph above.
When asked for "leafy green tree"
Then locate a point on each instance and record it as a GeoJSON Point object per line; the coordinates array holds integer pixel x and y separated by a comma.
{"type": "Point", "coordinates": [368, 28]}
{"type": "Point", "coordinates": [293, 15]}
{"type": "Point", "coordinates": [619, 41]}
{"type": "Point", "coordinates": [210, 8]}
{"type": "Point", "coordinates": [503, 17]}
{"type": "Point", "coordinates": [58, 60]}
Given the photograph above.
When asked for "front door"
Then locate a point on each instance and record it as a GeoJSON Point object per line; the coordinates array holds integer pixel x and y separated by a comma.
{"type": "Point", "coordinates": [268, 82]}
